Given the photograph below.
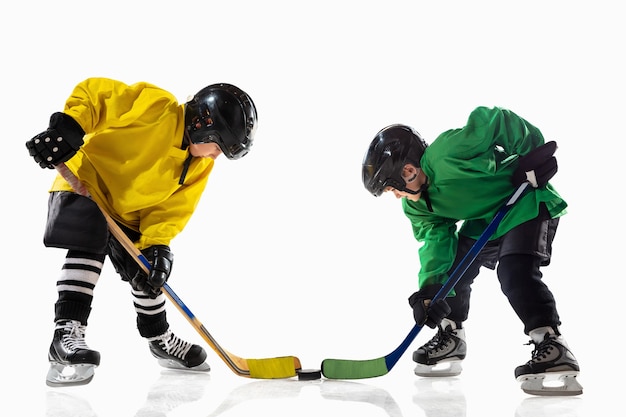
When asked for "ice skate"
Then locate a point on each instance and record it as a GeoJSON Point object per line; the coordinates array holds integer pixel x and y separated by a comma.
{"type": "Point", "coordinates": [552, 370]}
{"type": "Point", "coordinates": [174, 353]}
{"type": "Point", "coordinates": [443, 354]}
{"type": "Point", "coordinates": [71, 360]}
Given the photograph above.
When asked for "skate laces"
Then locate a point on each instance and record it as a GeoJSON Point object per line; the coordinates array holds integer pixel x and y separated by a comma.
{"type": "Point", "coordinates": [74, 335]}
{"type": "Point", "coordinates": [439, 341]}
{"type": "Point", "coordinates": [542, 349]}
{"type": "Point", "coordinates": [172, 344]}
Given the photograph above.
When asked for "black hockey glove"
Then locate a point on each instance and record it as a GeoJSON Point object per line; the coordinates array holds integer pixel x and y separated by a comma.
{"type": "Point", "coordinates": [161, 259]}
{"type": "Point", "coordinates": [426, 312]}
{"type": "Point", "coordinates": [537, 167]}
{"type": "Point", "coordinates": [57, 144]}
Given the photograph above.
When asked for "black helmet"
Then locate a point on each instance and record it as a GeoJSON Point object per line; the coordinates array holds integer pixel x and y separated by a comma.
{"type": "Point", "coordinates": [224, 114]}
{"type": "Point", "coordinates": [392, 148]}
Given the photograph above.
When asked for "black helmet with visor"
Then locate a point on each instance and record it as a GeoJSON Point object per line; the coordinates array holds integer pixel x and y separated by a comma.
{"type": "Point", "coordinates": [224, 114]}
{"type": "Point", "coordinates": [392, 148]}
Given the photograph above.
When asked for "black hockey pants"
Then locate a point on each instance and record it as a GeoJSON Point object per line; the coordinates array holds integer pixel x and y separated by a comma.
{"type": "Point", "coordinates": [518, 255]}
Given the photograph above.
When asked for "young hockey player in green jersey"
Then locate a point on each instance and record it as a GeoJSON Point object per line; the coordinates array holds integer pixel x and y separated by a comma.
{"type": "Point", "coordinates": [145, 159]}
{"type": "Point", "coordinates": [464, 176]}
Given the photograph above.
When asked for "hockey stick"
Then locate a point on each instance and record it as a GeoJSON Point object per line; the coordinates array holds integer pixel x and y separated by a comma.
{"type": "Point", "coordinates": [370, 368]}
{"type": "Point", "coordinates": [267, 368]}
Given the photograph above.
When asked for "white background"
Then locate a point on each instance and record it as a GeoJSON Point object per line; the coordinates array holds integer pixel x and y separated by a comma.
{"type": "Point", "coordinates": [287, 253]}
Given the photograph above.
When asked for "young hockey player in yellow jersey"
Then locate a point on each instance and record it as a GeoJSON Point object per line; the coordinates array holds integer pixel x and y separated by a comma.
{"type": "Point", "coordinates": [145, 159]}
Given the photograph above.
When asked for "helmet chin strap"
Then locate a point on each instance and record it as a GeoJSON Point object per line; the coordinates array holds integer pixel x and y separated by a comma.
{"type": "Point", "coordinates": [422, 188]}
{"type": "Point", "coordinates": [411, 179]}
{"type": "Point", "coordinates": [184, 145]}
{"type": "Point", "coordinates": [424, 191]}
{"type": "Point", "coordinates": [186, 164]}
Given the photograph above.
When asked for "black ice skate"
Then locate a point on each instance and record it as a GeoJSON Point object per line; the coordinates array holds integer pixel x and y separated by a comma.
{"type": "Point", "coordinates": [552, 370]}
{"type": "Point", "coordinates": [174, 353]}
{"type": "Point", "coordinates": [71, 360]}
{"type": "Point", "coordinates": [442, 355]}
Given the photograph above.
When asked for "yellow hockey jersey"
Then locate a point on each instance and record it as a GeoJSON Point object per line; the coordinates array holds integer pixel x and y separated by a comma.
{"type": "Point", "coordinates": [133, 157]}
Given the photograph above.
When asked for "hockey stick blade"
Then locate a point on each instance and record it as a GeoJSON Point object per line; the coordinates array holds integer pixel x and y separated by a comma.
{"type": "Point", "coordinates": [264, 368]}
{"type": "Point", "coordinates": [371, 368]}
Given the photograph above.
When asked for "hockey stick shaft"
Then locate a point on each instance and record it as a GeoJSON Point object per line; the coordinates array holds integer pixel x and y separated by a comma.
{"type": "Point", "coordinates": [266, 368]}
{"type": "Point", "coordinates": [370, 368]}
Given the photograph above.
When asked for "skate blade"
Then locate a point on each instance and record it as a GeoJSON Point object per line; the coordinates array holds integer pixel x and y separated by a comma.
{"type": "Point", "coordinates": [442, 369]}
{"type": "Point", "coordinates": [69, 375]}
{"type": "Point", "coordinates": [170, 364]}
{"type": "Point", "coordinates": [549, 384]}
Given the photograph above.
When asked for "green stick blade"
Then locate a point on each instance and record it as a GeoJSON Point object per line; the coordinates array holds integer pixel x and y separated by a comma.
{"type": "Point", "coordinates": [354, 369]}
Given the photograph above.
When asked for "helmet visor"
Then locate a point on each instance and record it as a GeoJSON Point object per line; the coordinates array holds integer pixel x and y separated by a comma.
{"type": "Point", "coordinates": [378, 174]}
